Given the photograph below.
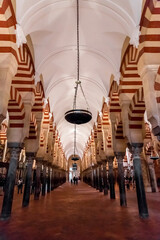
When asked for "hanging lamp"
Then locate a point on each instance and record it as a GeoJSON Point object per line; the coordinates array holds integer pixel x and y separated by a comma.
{"type": "Point", "coordinates": [154, 156]}
{"type": "Point", "coordinates": [75, 157]}
{"type": "Point", "coordinates": [78, 116]}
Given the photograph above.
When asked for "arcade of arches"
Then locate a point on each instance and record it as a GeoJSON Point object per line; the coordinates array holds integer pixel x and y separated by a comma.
{"type": "Point", "coordinates": [120, 75]}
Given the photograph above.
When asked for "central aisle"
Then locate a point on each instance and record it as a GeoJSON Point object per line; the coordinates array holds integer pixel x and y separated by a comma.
{"type": "Point", "coordinates": [81, 213]}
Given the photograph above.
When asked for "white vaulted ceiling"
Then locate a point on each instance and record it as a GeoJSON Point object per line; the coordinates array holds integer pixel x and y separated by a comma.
{"type": "Point", "coordinates": [104, 25]}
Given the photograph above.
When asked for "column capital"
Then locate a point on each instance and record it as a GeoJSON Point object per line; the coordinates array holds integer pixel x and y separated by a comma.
{"type": "Point", "coordinates": [99, 163]}
{"type": "Point", "coordinates": [104, 161]}
{"type": "Point", "coordinates": [148, 68]}
{"type": "Point", "coordinates": [110, 158]}
{"type": "Point", "coordinates": [30, 154]}
{"type": "Point", "coordinates": [110, 161]}
{"type": "Point", "coordinates": [39, 160]}
{"type": "Point", "coordinates": [135, 149]}
{"type": "Point", "coordinates": [120, 156]}
{"type": "Point", "coordinates": [1, 151]}
{"type": "Point", "coordinates": [14, 149]}
{"type": "Point", "coordinates": [15, 145]}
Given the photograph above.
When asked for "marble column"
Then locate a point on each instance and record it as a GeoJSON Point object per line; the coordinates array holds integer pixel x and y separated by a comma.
{"type": "Point", "coordinates": [100, 178]}
{"type": "Point", "coordinates": [97, 178]}
{"type": "Point", "coordinates": [1, 152]}
{"type": "Point", "coordinates": [49, 180]}
{"type": "Point", "coordinates": [121, 180]}
{"type": "Point", "coordinates": [55, 180]}
{"type": "Point", "coordinates": [38, 178]}
{"type": "Point", "coordinates": [94, 178]}
{"type": "Point", "coordinates": [141, 196]}
{"type": "Point", "coordinates": [52, 180]}
{"type": "Point", "coordinates": [105, 181]}
{"type": "Point", "coordinates": [44, 181]}
{"type": "Point", "coordinates": [14, 149]}
{"type": "Point", "coordinates": [152, 176]}
{"type": "Point", "coordinates": [111, 177]}
{"type": "Point", "coordinates": [30, 156]}
{"type": "Point", "coordinates": [145, 174]}
{"type": "Point", "coordinates": [59, 179]}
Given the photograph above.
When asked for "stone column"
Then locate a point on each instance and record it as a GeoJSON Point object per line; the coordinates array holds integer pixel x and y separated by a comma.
{"type": "Point", "coordinates": [59, 179]}
{"type": "Point", "coordinates": [97, 178]}
{"type": "Point", "coordinates": [1, 152]}
{"type": "Point", "coordinates": [38, 178]}
{"type": "Point", "coordinates": [94, 178]}
{"type": "Point", "coordinates": [152, 176]}
{"type": "Point", "coordinates": [145, 174]}
{"type": "Point", "coordinates": [49, 180]}
{"type": "Point", "coordinates": [52, 180]}
{"type": "Point", "coordinates": [55, 179]}
{"type": "Point", "coordinates": [141, 196]}
{"type": "Point", "coordinates": [121, 180]}
{"type": "Point", "coordinates": [105, 181]}
{"type": "Point", "coordinates": [44, 181]}
{"type": "Point", "coordinates": [30, 156]}
{"type": "Point", "coordinates": [100, 178]}
{"type": "Point", "coordinates": [1, 159]}
{"type": "Point", "coordinates": [14, 149]}
{"type": "Point", "coordinates": [111, 177]}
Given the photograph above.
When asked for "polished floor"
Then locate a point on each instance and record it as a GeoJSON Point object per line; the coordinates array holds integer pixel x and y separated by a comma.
{"type": "Point", "coordinates": [81, 213]}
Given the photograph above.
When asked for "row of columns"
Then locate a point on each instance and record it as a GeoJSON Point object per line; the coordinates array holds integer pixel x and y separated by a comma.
{"type": "Point", "coordinates": [102, 182]}
{"type": "Point", "coordinates": [54, 180]}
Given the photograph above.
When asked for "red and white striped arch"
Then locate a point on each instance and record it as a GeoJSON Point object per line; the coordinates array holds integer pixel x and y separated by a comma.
{"type": "Point", "coordinates": [16, 109]}
{"type": "Point", "coordinates": [136, 110]}
{"type": "Point", "coordinates": [114, 98]}
{"type": "Point", "coordinates": [33, 127]}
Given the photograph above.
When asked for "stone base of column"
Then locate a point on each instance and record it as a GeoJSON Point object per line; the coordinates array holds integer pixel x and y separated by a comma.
{"type": "Point", "coordinates": [5, 217]}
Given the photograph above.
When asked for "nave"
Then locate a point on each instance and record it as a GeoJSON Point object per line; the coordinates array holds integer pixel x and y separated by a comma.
{"type": "Point", "coordinates": [80, 212]}
{"type": "Point", "coordinates": [94, 59]}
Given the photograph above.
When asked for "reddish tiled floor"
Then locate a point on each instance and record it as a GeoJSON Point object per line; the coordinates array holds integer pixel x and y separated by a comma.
{"type": "Point", "coordinates": [81, 213]}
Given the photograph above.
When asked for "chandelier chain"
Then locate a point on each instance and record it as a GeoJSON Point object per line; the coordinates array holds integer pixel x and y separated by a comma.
{"type": "Point", "coordinates": [78, 82]}
{"type": "Point", "coordinates": [78, 60]}
{"type": "Point", "coordinates": [74, 140]}
{"type": "Point", "coordinates": [84, 96]}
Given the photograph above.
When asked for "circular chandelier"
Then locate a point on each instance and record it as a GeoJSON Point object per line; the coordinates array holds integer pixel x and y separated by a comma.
{"type": "Point", "coordinates": [78, 116]}
{"type": "Point", "coordinates": [75, 157]}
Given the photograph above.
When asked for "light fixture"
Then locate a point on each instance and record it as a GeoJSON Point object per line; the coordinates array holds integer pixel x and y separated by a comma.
{"type": "Point", "coordinates": [154, 156]}
{"type": "Point", "coordinates": [75, 157]}
{"type": "Point", "coordinates": [78, 116]}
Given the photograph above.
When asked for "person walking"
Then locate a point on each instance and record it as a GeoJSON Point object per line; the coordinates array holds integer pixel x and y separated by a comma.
{"type": "Point", "coordinates": [74, 180]}
{"type": "Point", "coordinates": [20, 185]}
